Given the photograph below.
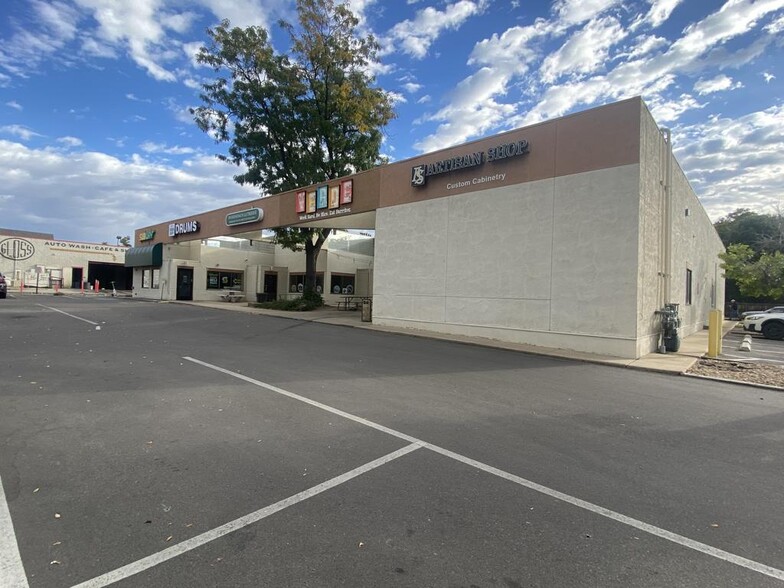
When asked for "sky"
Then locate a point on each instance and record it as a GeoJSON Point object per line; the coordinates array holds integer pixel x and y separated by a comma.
{"type": "Point", "coordinates": [96, 139]}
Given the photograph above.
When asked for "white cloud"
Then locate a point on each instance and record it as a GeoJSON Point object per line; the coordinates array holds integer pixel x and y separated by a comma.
{"type": "Point", "coordinates": [19, 131]}
{"type": "Point", "coordinates": [735, 163]}
{"type": "Point", "coordinates": [396, 97]}
{"type": "Point", "coordinates": [768, 76]}
{"type": "Point", "coordinates": [14, 104]}
{"type": "Point", "coordinates": [135, 98]}
{"type": "Point", "coordinates": [414, 37]}
{"type": "Point", "coordinates": [574, 12]}
{"type": "Point", "coordinates": [717, 84]}
{"type": "Point", "coordinates": [660, 11]}
{"type": "Point", "coordinates": [113, 196]}
{"type": "Point", "coordinates": [70, 141]}
{"type": "Point", "coordinates": [585, 51]}
{"type": "Point", "coordinates": [245, 13]}
{"type": "Point", "coordinates": [150, 147]}
{"type": "Point", "coordinates": [644, 68]}
{"type": "Point", "coordinates": [666, 111]}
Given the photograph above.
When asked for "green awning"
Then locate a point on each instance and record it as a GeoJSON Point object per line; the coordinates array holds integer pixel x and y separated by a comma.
{"type": "Point", "coordinates": [146, 256]}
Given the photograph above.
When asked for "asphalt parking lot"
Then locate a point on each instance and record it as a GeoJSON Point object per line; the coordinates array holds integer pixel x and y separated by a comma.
{"type": "Point", "coordinates": [765, 351]}
{"type": "Point", "coordinates": [150, 444]}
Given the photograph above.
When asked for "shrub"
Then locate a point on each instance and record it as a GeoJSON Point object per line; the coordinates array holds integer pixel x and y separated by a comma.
{"type": "Point", "coordinates": [308, 301]}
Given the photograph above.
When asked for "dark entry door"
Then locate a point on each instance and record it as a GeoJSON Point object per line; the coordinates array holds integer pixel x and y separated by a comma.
{"type": "Point", "coordinates": [76, 277]}
{"type": "Point", "coordinates": [270, 286]}
{"type": "Point", "coordinates": [184, 283]}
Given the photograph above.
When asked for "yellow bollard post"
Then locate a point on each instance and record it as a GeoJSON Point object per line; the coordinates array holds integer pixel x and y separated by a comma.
{"type": "Point", "coordinates": [719, 338]}
{"type": "Point", "coordinates": [714, 333]}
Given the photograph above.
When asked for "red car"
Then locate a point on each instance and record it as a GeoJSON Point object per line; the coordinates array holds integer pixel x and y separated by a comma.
{"type": "Point", "coordinates": [3, 286]}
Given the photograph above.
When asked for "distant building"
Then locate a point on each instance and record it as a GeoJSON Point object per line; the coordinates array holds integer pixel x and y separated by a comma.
{"type": "Point", "coordinates": [38, 259]}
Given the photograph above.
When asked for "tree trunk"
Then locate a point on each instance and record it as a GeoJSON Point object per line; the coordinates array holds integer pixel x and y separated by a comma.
{"type": "Point", "coordinates": [312, 250]}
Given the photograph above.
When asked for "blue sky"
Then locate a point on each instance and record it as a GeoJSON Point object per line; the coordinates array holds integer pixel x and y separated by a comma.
{"type": "Point", "coordinates": [96, 139]}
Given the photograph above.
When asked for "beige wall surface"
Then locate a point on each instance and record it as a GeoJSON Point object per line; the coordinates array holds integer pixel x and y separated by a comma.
{"type": "Point", "coordinates": [546, 263]}
{"type": "Point", "coordinates": [253, 264]}
{"type": "Point", "coordinates": [695, 244]}
{"type": "Point", "coordinates": [55, 256]}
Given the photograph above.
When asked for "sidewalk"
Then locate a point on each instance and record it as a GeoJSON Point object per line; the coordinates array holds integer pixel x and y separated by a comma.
{"type": "Point", "coordinates": [692, 347]}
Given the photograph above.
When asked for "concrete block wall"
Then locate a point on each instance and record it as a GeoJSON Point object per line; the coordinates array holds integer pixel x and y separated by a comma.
{"type": "Point", "coordinates": [546, 263]}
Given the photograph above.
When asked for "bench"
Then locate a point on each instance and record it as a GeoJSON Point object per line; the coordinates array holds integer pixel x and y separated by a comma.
{"type": "Point", "coordinates": [232, 296]}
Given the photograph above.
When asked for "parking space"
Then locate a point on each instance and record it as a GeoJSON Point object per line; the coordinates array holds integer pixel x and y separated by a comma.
{"type": "Point", "coordinates": [762, 350]}
{"type": "Point", "coordinates": [178, 446]}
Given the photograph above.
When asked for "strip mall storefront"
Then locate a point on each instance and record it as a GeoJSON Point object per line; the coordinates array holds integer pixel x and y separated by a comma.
{"type": "Point", "coordinates": [571, 233]}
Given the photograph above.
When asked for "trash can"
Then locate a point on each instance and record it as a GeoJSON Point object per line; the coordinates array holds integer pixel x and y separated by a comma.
{"type": "Point", "coordinates": [367, 311]}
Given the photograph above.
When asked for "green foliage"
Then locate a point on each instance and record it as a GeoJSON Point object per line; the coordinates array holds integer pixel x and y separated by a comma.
{"type": "Point", "coordinates": [761, 232]}
{"type": "Point", "coordinates": [756, 276]}
{"type": "Point", "coordinates": [312, 297]}
{"type": "Point", "coordinates": [310, 300]}
{"type": "Point", "coordinates": [295, 119]}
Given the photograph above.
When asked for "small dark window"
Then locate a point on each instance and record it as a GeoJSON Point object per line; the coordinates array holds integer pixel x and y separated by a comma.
{"type": "Point", "coordinates": [297, 282]}
{"type": "Point", "coordinates": [342, 284]}
{"type": "Point", "coordinates": [217, 280]}
{"type": "Point", "coordinates": [688, 286]}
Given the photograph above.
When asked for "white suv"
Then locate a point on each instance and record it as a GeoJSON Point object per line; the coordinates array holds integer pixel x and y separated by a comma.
{"type": "Point", "coordinates": [770, 324]}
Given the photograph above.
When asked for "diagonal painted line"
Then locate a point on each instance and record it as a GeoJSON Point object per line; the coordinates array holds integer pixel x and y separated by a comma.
{"type": "Point", "coordinates": [12, 574]}
{"type": "Point", "coordinates": [578, 502]}
{"type": "Point", "coordinates": [199, 540]}
{"type": "Point", "coordinates": [68, 314]}
{"type": "Point", "coordinates": [336, 411]}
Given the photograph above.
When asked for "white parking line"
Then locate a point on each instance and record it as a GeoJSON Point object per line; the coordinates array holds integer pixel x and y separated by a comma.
{"type": "Point", "coordinates": [594, 508]}
{"type": "Point", "coordinates": [67, 314]}
{"type": "Point", "coordinates": [249, 519]}
{"type": "Point", "coordinates": [12, 574]}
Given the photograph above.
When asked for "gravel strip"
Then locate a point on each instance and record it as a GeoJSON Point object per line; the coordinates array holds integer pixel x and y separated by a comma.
{"type": "Point", "coordinates": [752, 373]}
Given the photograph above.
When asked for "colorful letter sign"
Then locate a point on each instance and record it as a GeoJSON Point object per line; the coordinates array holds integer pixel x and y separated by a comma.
{"type": "Point", "coordinates": [321, 197]}
{"type": "Point", "coordinates": [346, 191]}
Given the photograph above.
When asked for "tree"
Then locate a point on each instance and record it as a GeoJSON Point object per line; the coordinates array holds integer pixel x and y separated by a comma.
{"type": "Point", "coordinates": [756, 276]}
{"type": "Point", "coordinates": [762, 232]}
{"type": "Point", "coordinates": [295, 119]}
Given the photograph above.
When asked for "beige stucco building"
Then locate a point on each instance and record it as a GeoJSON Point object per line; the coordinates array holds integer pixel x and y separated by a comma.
{"type": "Point", "coordinates": [38, 259]}
{"type": "Point", "coordinates": [571, 233]}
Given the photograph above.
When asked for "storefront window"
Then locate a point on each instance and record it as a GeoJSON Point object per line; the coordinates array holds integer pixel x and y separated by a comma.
{"type": "Point", "coordinates": [342, 284]}
{"type": "Point", "coordinates": [151, 277]}
{"type": "Point", "coordinates": [297, 282]}
{"type": "Point", "coordinates": [220, 280]}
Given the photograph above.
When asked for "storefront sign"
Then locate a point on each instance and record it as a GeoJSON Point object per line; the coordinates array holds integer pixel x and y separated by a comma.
{"type": "Point", "coordinates": [420, 173]}
{"type": "Point", "coordinates": [183, 228]}
{"type": "Point", "coordinates": [70, 246]}
{"type": "Point", "coordinates": [332, 197]}
{"type": "Point", "coordinates": [242, 217]}
{"type": "Point", "coordinates": [16, 248]}
{"type": "Point", "coordinates": [147, 236]}
{"type": "Point", "coordinates": [324, 214]}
